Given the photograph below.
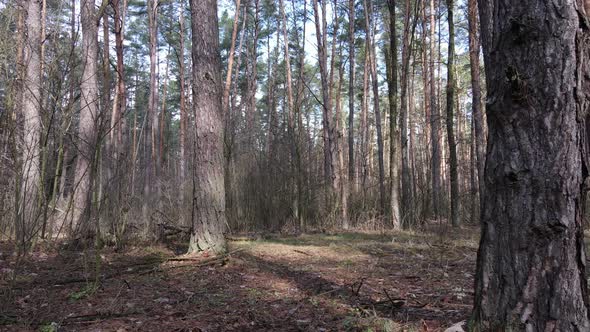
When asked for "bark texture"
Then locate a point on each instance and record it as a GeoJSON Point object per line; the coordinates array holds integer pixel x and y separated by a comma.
{"type": "Point", "coordinates": [531, 261]}
{"type": "Point", "coordinates": [208, 215]}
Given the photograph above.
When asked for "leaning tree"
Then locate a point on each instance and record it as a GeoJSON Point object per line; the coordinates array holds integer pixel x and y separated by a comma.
{"type": "Point", "coordinates": [531, 261]}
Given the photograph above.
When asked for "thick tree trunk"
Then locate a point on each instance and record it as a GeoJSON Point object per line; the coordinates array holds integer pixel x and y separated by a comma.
{"type": "Point", "coordinates": [208, 213]}
{"type": "Point", "coordinates": [87, 130]}
{"type": "Point", "coordinates": [531, 265]}
{"type": "Point", "coordinates": [31, 112]}
{"type": "Point", "coordinates": [453, 164]}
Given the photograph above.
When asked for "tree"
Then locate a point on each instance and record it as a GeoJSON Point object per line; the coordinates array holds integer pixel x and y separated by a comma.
{"type": "Point", "coordinates": [351, 78]}
{"type": "Point", "coordinates": [120, 102]}
{"type": "Point", "coordinates": [375, 84]}
{"type": "Point", "coordinates": [151, 137]}
{"type": "Point", "coordinates": [393, 115]}
{"type": "Point", "coordinates": [322, 45]}
{"type": "Point", "coordinates": [31, 113]}
{"type": "Point", "coordinates": [87, 129]}
{"type": "Point", "coordinates": [407, 194]}
{"type": "Point", "coordinates": [434, 118]}
{"type": "Point", "coordinates": [450, 118]}
{"type": "Point", "coordinates": [531, 260]}
{"type": "Point", "coordinates": [208, 209]}
{"type": "Point", "coordinates": [476, 105]}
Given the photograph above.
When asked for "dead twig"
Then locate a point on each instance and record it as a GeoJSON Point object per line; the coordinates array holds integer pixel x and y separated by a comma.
{"type": "Point", "coordinates": [302, 252]}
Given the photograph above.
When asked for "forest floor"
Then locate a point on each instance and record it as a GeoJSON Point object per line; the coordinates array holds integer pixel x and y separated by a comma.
{"type": "Point", "coordinates": [399, 281]}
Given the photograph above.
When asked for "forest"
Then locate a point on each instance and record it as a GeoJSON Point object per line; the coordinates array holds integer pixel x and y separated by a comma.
{"type": "Point", "coordinates": [294, 165]}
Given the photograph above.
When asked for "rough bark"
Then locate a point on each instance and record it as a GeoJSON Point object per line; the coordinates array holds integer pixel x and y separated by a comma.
{"type": "Point", "coordinates": [453, 164]}
{"type": "Point", "coordinates": [208, 213]}
{"type": "Point", "coordinates": [531, 261]}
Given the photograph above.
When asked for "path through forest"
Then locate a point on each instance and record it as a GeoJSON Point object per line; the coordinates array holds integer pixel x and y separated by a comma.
{"type": "Point", "coordinates": [401, 281]}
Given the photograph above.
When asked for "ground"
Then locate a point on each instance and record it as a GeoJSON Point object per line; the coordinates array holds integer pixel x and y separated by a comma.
{"type": "Point", "coordinates": [387, 281]}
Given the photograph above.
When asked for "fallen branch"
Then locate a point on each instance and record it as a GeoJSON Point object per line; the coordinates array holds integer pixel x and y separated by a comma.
{"type": "Point", "coordinates": [302, 252]}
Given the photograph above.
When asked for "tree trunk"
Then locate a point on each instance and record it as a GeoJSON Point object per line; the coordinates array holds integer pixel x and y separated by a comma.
{"type": "Point", "coordinates": [152, 115]}
{"type": "Point", "coordinates": [252, 78]}
{"type": "Point", "coordinates": [531, 262]}
{"type": "Point", "coordinates": [434, 119]}
{"type": "Point", "coordinates": [326, 87]}
{"type": "Point", "coordinates": [300, 128]}
{"type": "Point", "coordinates": [208, 214]}
{"type": "Point", "coordinates": [230, 59]}
{"type": "Point", "coordinates": [450, 119]}
{"type": "Point", "coordinates": [351, 78]}
{"type": "Point", "coordinates": [373, 67]}
{"type": "Point", "coordinates": [87, 130]}
{"type": "Point", "coordinates": [183, 115]}
{"type": "Point", "coordinates": [31, 111]}
{"type": "Point", "coordinates": [120, 103]}
{"type": "Point", "coordinates": [477, 109]}
{"type": "Point", "coordinates": [290, 116]}
{"type": "Point", "coordinates": [393, 115]}
{"type": "Point", "coordinates": [407, 195]}
{"type": "Point", "coordinates": [364, 144]}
